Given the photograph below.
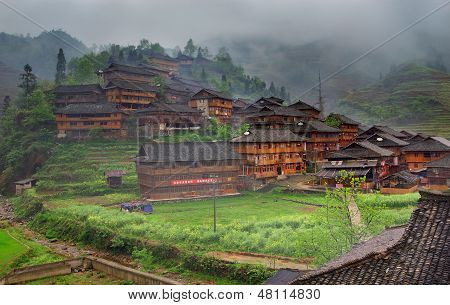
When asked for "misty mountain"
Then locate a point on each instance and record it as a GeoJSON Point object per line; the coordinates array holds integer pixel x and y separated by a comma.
{"type": "Point", "coordinates": [40, 51]}
{"type": "Point", "coordinates": [9, 78]}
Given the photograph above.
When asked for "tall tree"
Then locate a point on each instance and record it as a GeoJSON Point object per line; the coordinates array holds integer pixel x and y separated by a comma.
{"type": "Point", "coordinates": [60, 68]}
{"type": "Point", "coordinates": [6, 103]}
{"type": "Point", "coordinates": [121, 56]}
{"type": "Point", "coordinates": [29, 80]}
{"type": "Point", "coordinates": [203, 74]}
{"type": "Point", "coordinates": [272, 89]}
{"type": "Point", "coordinates": [190, 48]}
{"type": "Point", "coordinates": [283, 94]}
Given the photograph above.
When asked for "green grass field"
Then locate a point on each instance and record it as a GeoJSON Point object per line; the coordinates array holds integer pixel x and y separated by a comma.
{"type": "Point", "coordinates": [10, 249]}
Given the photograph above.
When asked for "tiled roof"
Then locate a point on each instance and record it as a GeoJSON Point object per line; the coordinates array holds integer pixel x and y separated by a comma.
{"type": "Point", "coordinates": [131, 85]}
{"type": "Point", "coordinates": [89, 108]}
{"type": "Point", "coordinates": [166, 107]}
{"type": "Point", "coordinates": [441, 163]}
{"type": "Point", "coordinates": [361, 150]}
{"type": "Point", "coordinates": [268, 135]}
{"type": "Point", "coordinates": [429, 144]}
{"type": "Point", "coordinates": [300, 105]}
{"type": "Point", "coordinates": [187, 152]}
{"type": "Point", "coordinates": [386, 140]}
{"type": "Point", "coordinates": [314, 125]}
{"type": "Point", "coordinates": [420, 256]}
{"type": "Point", "coordinates": [383, 129]}
{"type": "Point", "coordinates": [79, 89]}
{"type": "Point", "coordinates": [127, 68]}
{"type": "Point", "coordinates": [404, 175]}
{"type": "Point", "coordinates": [279, 111]}
{"type": "Point", "coordinates": [212, 93]}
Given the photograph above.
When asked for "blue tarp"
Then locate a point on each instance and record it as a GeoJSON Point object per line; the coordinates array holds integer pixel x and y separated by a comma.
{"type": "Point", "coordinates": [137, 206]}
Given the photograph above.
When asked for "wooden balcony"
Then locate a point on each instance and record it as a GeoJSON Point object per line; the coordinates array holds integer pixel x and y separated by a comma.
{"type": "Point", "coordinates": [186, 170]}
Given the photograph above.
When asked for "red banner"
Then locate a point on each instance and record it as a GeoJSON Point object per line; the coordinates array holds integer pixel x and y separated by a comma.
{"type": "Point", "coordinates": [194, 181]}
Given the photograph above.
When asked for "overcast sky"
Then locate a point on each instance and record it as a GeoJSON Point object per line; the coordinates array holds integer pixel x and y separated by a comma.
{"type": "Point", "coordinates": [172, 22]}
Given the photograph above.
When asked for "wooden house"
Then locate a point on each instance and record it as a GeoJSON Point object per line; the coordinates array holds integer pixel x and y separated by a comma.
{"type": "Point", "coordinates": [164, 61]}
{"type": "Point", "coordinates": [321, 138]}
{"type": "Point", "coordinates": [119, 71]}
{"type": "Point", "coordinates": [173, 171]}
{"type": "Point", "coordinates": [130, 95]}
{"type": "Point", "coordinates": [213, 104]}
{"type": "Point", "coordinates": [77, 120]}
{"type": "Point", "coordinates": [347, 126]}
{"type": "Point", "coordinates": [365, 151]}
{"type": "Point", "coordinates": [179, 89]}
{"type": "Point", "coordinates": [330, 171]}
{"type": "Point", "coordinates": [184, 59]}
{"type": "Point", "coordinates": [313, 112]}
{"type": "Point", "coordinates": [24, 184]}
{"type": "Point", "coordinates": [275, 117]}
{"type": "Point", "coordinates": [114, 177]}
{"type": "Point", "coordinates": [393, 144]}
{"type": "Point", "coordinates": [271, 152]}
{"type": "Point", "coordinates": [438, 174]}
{"type": "Point", "coordinates": [402, 182]}
{"type": "Point", "coordinates": [419, 153]}
{"type": "Point", "coordinates": [165, 119]}
{"type": "Point", "coordinates": [381, 129]}
{"type": "Point", "coordinates": [75, 94]}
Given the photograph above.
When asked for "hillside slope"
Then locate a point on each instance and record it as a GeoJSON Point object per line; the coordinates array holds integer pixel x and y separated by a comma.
{"type": "Point", "coordinates": [410, 96]}
{"type": "Point", "coordinates": [9, 78]}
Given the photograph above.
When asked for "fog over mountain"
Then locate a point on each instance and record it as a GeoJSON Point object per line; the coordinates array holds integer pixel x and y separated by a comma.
{"type": "Point", "coordinates": [286, 41]}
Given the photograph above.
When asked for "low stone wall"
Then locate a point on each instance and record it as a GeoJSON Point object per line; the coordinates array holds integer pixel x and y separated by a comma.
{"type": "Point", "coordinates": [31, 273]}
{"type": "Point", "coordinates": [26, 274]}
{"type": "Point", "coordinates": [122, 272]}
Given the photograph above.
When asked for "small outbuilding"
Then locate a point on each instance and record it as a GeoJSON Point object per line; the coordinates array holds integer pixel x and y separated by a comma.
{"type": "Point", "coordinates": [114, 177]}
{"type": "Point", "coordinates": [24, 184]}
{"type": "Point", "coordinates": [399, 183]}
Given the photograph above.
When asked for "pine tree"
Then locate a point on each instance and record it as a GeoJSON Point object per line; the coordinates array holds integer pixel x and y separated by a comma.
{"type": "Point", "coordinates": [224, 78]}
{"type": "Point", "coordinates": [272, 89]}
{"type": "Point", "coordinates": [121, 56]}
{"type": "Point", "coordinates": [283, 94]}
{"type": "Point", "coordinates": [29, 80]}
{"type": "Point", "coordinates": [190, 48]}
{"type": "Point", "coordinates": [60, 68]}
{"type": "Point", "coordinates": [203, 75]}
{"type": "Point", "coordinates": [199, 52]}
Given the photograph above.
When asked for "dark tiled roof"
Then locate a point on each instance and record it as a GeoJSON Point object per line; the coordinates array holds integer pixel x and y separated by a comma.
{"type": "Point", "coordinates": [430, 144]}
{"type": "Point", "coordinates": [187, 152]}
{"type": "Point", "coordinates": [404, 175]}
{"type": "Point", "coordinates": [86, 108]}
{"type": "Point", "coordinates": [408, 133]}
{"type": "Point", "coordinates": [315, 125]}
{"type": "Point", "coordinates": [128, 69]}
{"type": "Point", "coordinates": [212, 93]}
{"type": "Point", "coordinates": [91, 88]}
{"type": "Point", "coordinates": [387, 140]}
{"type": "Point", "coordinates": [284, 276]}
{"type": "Point", "coordinates": [417, 138]}
{"type": "Point", "coordinates": [161, 56]}
{"type": "Point", "coordinates": [166, 107]}
{"type": "Point", "coordinates": [268, 135]}
{"type": "Point", "coordinates": [278, 111]}
{"type": "Point", "coordinates": [131, 85]}
{"type": "Point", "coordinates": [344, 119]}
{"type": "Point", "coordinates": [350, 164]}
{"type": "Point", "coordinates": [241, 103]}
{"type": "Point", "coordinates": [383, 129]}
{"type": "Point", "coordinates": [300, 105]}
{"type": "Point", "coordinates": [361, 150]}
{"type": "Point", "coordinates": [442, 163]}
{"type": "Point", "coordinates": [184, 57]}
{"type": "Point", "coordinates": [420, 256]}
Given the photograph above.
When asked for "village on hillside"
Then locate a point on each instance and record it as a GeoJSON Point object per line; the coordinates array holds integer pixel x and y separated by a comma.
{"type": "Point", "coordinates": [224, 189]}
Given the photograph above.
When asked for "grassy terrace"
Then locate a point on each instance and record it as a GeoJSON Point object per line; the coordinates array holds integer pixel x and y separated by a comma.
{"type": "Point", "coordinates": [80, 207]}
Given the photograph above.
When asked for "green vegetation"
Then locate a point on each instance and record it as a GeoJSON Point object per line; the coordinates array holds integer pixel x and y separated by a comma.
{"type": "Point", "coordinates": [410, 96]}
{"type": "Point", "coordinates": [89, 277]}
{"type": "Point", "coordinates": [18, 251]}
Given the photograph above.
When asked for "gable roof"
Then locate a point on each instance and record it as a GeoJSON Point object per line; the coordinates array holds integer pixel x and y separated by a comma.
{"type": "Point", "coordinates": [90, 88]}
{"type": "Point", "coordinates": [386, 140]}
{"type": "Point", "coordinates": [429, 144]}
{"type": "Point", "coordinates": [211, 94]}
{"type": "Point", "coordinates": [158, 107]}
{"type": "Point", "coordinates": [278, 111]}
{"type": "Point", "coordinates": [114, 66]}
{"type": "Point", "coordinates": [314, 125]}
{"type": "Point", "coordinates": [88, 108]}
{"type": "Point", "coordinates": [268, 135]}
{"type": "Point", "coordinates": [383, 129]}
{"type": "Point", "coordinates": [130, 85]}
{"type": "Point", "coordinates": [440, 163]}
{"type": "Point", "coordinates": [420, 256]}
{"type": "Point", "coordinates": [187, 152]}
{"type": "Point", "coordinates": [361, 150]}
{"type": "Point", "coordinates": [404, 175]}
{"type": "Point", "coordinates": [300, 105]}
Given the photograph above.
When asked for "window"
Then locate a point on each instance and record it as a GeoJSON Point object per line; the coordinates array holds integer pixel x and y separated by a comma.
{"type": "Point", "coordinates": [103, 123]}
{"type": "Point", "coordinates": [73, 123]}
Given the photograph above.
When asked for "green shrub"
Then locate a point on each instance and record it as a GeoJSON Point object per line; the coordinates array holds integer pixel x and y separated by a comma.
{"type": "Point", "coordinates": [26, 206]}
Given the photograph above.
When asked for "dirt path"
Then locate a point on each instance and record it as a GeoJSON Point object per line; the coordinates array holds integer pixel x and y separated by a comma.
{"type": "Point", "coordinates": [6, 210]}
{"type": "Point", "coordinates": [270, 261]}
{"type": "Point", "coordinates": [355, 214]}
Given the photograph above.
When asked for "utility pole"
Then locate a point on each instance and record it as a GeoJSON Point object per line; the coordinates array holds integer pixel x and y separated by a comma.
{"type": "Point", "coordinates": [321, 106]}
